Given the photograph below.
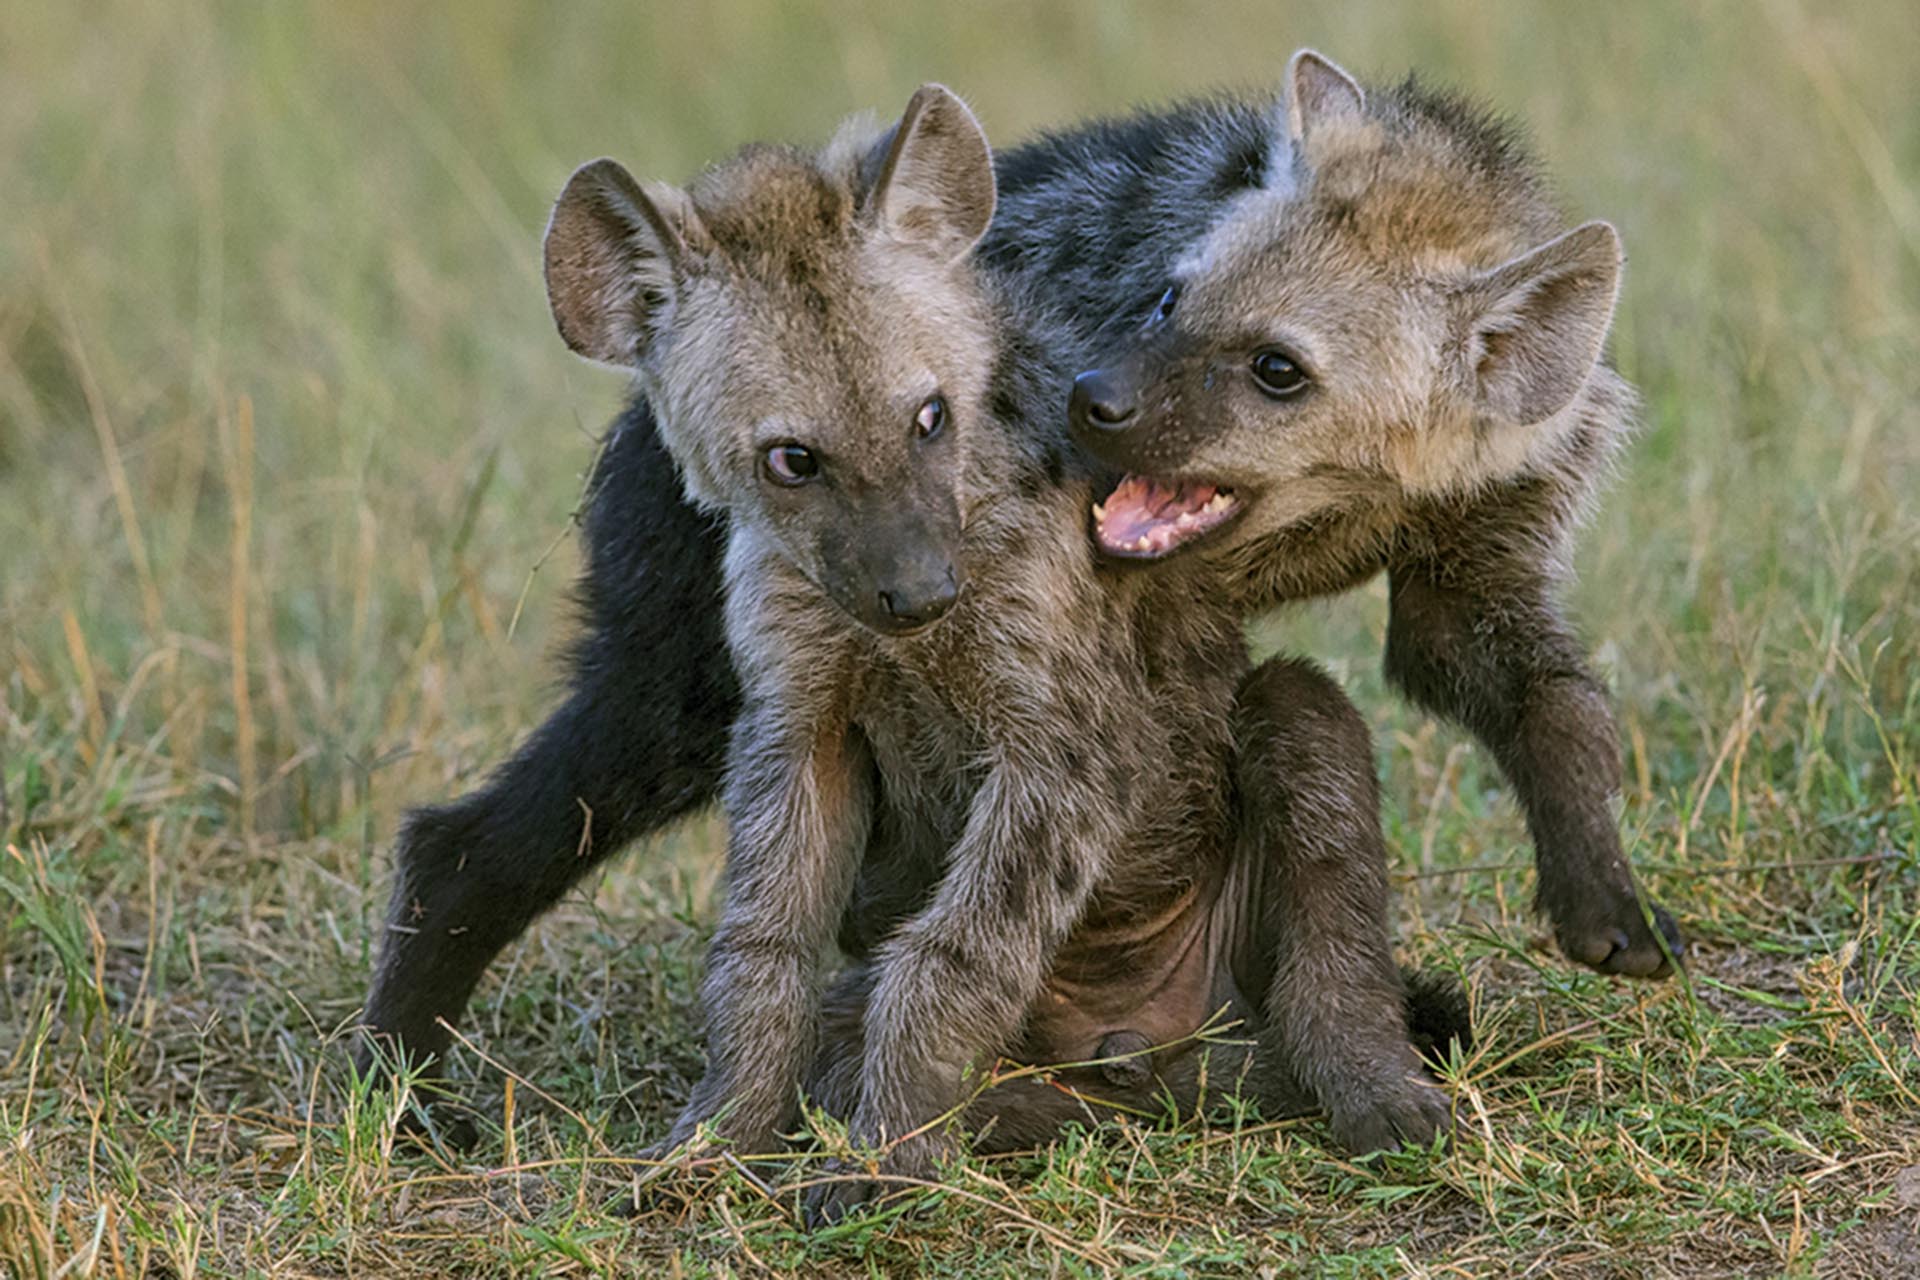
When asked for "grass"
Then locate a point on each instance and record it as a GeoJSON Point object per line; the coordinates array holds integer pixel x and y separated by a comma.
{"type": "Point", "coordinates": [287, 455]}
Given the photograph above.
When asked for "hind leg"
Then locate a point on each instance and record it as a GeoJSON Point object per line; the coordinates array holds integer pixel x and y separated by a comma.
{"type": "Point", "coordinates": [639, 742]}
{"type": "Point", "coordinates": [473, 874]}
{"type": "Point", "coordinates": [1032, 1109]}
{"type": "Point", "coordinates": [1308, 908]}
{"type": "Point", "coordinates": [1300, 927]}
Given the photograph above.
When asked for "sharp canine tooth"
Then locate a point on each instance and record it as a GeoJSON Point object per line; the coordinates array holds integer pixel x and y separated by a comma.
{"type": "Point", "coordinates": [1144, 544]}
{"type": "Point", "coordinates": [1099, 512]}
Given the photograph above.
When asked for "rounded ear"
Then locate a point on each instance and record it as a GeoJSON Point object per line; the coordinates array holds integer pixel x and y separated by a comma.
{"type": "Point", "coordinates": [1535, 326]}
{"type": "Point", "coordinates": [610, 252]}
{"type": "Point", "coordinates": [934, 187]}
{"type": "Point", "coordinates": [1318, 89]}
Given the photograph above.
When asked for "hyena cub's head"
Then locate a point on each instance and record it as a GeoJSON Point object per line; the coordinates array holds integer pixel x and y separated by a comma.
{"type": "Point", "coordinates": [808, 330]}
{"type": "Point", "coordinates": [1392, 314]}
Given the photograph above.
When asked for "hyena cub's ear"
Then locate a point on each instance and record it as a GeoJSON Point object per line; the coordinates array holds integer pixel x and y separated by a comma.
{"type": "Point", "coordinates": [612, 250]}
{"type": "Point", "coordinates": [932, 184]}
{"type": "Point", "coordinates": [1319, 90]}
{"type": "Point", "coordinates": [1535, 326]}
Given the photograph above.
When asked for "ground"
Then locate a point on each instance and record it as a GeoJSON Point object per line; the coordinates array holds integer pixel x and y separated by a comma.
{"type": "Point", "coordinates": [288, 452]}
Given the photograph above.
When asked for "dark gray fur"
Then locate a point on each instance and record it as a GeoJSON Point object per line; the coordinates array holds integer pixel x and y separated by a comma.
{"type": "Point", "coordinates": [1102, 213]}
{"type": "Point", "coordinates": [1060, 745]}
{"type": "Point", "coordinates": [639, 740]}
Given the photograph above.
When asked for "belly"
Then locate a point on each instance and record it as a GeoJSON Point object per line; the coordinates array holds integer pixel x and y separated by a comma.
{"type": "Point", "coordinates": [1158, 977]}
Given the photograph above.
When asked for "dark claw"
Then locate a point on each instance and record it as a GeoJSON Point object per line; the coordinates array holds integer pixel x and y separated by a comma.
{"type": "Point", "coordinates": [439, 1121]}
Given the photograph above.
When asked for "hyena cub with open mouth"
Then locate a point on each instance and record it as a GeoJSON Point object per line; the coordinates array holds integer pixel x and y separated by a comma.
{"type": "Point", "coordinates": [1387, 355]}
{"type": "Point", "coordinates": [928, 652]}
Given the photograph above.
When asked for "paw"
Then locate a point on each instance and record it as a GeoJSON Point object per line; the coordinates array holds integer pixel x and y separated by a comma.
{"type": "Point", "coordinates": [1615, 938]}
{"type": "Point", "coordinates": [1409, 1114]}
{"type": "Point", "coordinates": [672, 1170]}
{"type": "Point", "coordinates": [434, 1114]}
{"type": "Point", "coordinates": [842, 1193]}
{"type": "Point", "coordinates": [675, 1144]}
{"type": "Point", "coordinates": [746, 1121]}
{"type": "Point", "coordinates": [692, 1138]}
{"type": "Point", "coordinates": [443, 1122]}
{"type": "Point", "coordinates": [848, 1186]}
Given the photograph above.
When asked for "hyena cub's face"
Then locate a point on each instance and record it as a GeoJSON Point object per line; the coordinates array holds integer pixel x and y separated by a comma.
{"type": "Point", "coordinates": [810, 335]}
{"type": "Point", "coordinates": [1389, 316]}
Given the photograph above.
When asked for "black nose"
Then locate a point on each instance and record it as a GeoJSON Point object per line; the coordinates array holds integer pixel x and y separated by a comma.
{"type": "Point", "coordinates": [1098, 403]}
{"type": "Point", "coordinates": [916, 606]}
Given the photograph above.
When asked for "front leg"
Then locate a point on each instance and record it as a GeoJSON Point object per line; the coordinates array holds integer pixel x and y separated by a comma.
{"type": "Point", "coordinates": [1482, 644]}
{"type": "Point", "coordinates": [798, 804]}
{"type": "Point", "coordinates": [956, 981]}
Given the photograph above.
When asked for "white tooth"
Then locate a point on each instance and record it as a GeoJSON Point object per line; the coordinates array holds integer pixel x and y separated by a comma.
{"type": "Point", "coordinates": [1144, 544]}
{"type": "Point", "coordinates": [1099, 512]}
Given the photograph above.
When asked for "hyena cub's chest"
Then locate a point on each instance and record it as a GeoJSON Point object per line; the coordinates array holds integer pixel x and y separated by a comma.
{"type": "Point", "coordinates": [1187, 664]}
{"type": "Point", "coordinates": [930, 761]}
{"type": "Point", "coordinates": [983, 687]}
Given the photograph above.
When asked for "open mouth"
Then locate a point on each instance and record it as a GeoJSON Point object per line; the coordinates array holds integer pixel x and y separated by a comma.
{"type": "Point", "coordinates": [1145, 519]}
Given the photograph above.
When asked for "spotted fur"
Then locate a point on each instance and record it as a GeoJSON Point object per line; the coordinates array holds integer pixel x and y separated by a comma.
{"type": "Point", "coordinates": [1458, 422]}
{"type": "Point", "coordinates": [1060, 744]}
{"type": "Point", "coordinates": [1102, 214]}
{"type": "Point", "coordinates": [1096, 215]}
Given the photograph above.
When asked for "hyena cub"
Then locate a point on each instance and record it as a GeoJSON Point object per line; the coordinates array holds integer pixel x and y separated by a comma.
{"type": "Point", "coordinates": [927, 652]}
{"type": "Point", "coordinates": [1387, 355]}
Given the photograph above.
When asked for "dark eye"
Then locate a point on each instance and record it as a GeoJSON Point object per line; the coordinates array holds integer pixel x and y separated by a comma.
{"type": "Point", "coordinates": [931, 420]}
{"type": "Point", "coordinates": [1278, 375]}
{"type": "Point", "coordinates": [791, 464]}
{"type": "Point", "coordinates": [1163, 309]}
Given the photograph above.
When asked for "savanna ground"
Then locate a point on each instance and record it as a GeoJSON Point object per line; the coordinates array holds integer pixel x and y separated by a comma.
{"type": "Point", "coordinates": [288, 451]}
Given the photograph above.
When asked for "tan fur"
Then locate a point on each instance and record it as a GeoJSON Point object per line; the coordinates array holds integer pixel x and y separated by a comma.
{"type": "Point", "coordinates": [1458, 417]}
{"type": "Point", "coordinates": [800, 336]}
{"type": "Point", "coordinates": [1060, 742]}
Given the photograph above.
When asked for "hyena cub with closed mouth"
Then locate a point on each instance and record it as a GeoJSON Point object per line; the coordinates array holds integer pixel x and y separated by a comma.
{"type": "Point", "coordinates": [927, 651]}
{"type": "Point", "coordinates": [1387, 355]}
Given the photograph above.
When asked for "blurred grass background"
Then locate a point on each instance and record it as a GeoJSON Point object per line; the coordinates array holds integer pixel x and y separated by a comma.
{"type": "Point", "coordinates": [288, 452]}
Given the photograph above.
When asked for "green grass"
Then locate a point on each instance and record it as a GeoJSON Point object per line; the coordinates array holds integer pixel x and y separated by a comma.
{"type": "Point", "coordinates": [287, 455]}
